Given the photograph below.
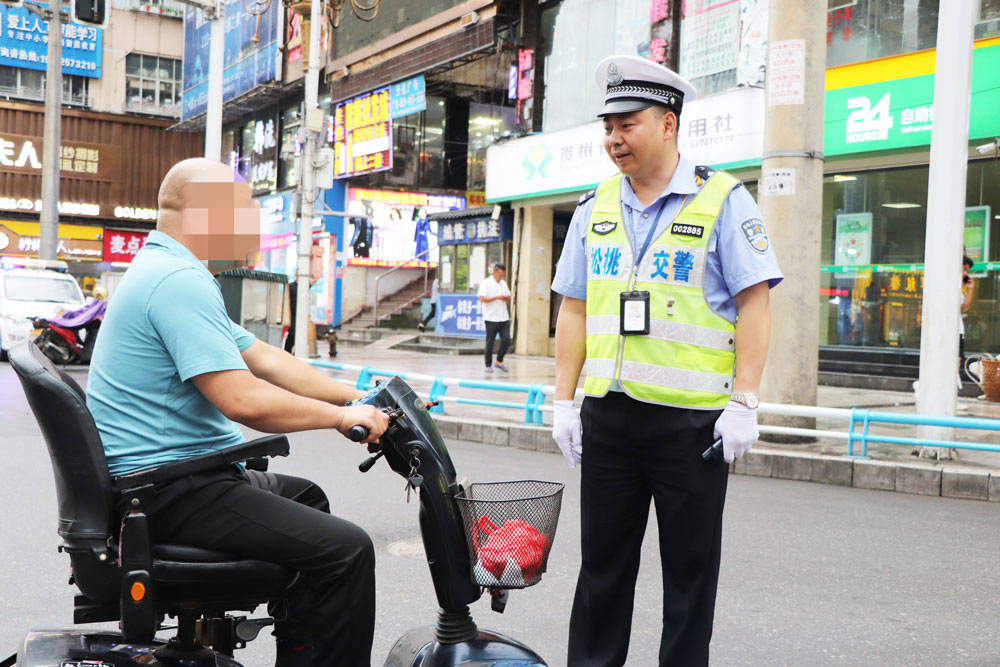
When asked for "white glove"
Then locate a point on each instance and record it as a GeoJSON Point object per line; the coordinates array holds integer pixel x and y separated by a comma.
{"type": "Point", "coordinates": [737, 426]}
{"type": "Point", "coordinates": [567, 431]}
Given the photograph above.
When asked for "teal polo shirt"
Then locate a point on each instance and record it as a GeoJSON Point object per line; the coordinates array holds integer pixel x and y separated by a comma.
{"type": "Point", "coordinates": [165, 324]}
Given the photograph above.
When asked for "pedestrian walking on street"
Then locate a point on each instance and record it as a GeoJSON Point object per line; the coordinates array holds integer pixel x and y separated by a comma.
{"type": "Point", "coordinates": [658, 262]}
{"type": "Point", "coordinates": [433, 309]}
{"type": "Point", "coordinates": [495, 295]}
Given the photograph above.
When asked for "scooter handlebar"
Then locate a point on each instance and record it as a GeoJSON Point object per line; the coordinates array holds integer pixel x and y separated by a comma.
{"type": "Point", "coordinates": [357, 433]}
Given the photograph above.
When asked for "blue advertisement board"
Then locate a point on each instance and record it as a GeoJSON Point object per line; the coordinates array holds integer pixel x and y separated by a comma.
{"type": "Point", "coordinates": [246, 64]}
{"type": "Point", "coordinates": [406, 97]}
{"type": "Point", "coordinates": [24, 42]}
{"type": "Point", "coordinates": [460, 315]}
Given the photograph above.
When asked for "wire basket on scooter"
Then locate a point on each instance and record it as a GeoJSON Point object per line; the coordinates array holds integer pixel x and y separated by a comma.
{"type": "Point", "coordinates": [509, 527]}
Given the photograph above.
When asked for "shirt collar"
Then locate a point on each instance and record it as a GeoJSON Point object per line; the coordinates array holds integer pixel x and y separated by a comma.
{"type": "Point", "coordinates": [172, 246]}
{"type": "Point", "coordinates": [681, 183]}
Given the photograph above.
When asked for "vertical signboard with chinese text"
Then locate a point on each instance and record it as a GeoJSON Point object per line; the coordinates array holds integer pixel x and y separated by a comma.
{"type": "Point", "coordinates": [361, 134]}
{"type": "Point", "coordinates": [24, 42]}
{"type": "Point", "coordinates": [251, 51]}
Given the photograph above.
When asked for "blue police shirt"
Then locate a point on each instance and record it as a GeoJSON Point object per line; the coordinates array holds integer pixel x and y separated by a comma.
{"type": "Point", "coordinates": [165, 324]}
{"type": "Point", "coordinates": [734, 260]}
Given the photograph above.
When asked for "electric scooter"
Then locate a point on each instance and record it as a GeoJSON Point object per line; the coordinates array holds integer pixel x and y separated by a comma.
{"type": "Point", "coordinates": [457, 525]}
{"type": "Point", "coordinates": [70, 337]}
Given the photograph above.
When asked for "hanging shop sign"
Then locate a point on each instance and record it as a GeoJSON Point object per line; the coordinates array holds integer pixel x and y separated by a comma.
{"type": "Point", "coordinates": [853, 241]}
{"type": "Point", "coordinates": [408, 97]}
{"type": "Point", "coordinates": [121, 245]}
{"type": "Point", "coordinates": [77, 243]}
{"type": "Point", "coordinates": [251, 57]}
{"type": "Point", "coordinates": [899, 112]}
{"type": "Point", "coordinates": [361, 133]}
{"type": "Point", "coordinates": [460, 315]}
{"type": "Point", "coordinates": [474, 230]}
{"type": "Point", "coordinates": [24, 42]}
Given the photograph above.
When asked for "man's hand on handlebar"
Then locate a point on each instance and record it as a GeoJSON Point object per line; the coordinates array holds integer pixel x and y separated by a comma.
{"type": "Point", "coordinates": [372, 420]}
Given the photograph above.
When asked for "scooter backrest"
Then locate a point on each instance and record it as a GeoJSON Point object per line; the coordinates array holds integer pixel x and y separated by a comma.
{"type": "Point", "coordinates": [83, 485]}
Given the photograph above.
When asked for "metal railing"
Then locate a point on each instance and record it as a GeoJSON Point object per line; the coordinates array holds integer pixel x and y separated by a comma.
{"type": "Point", "coordinates": [404, 265]}
{"type": "Point", "coordinates": [534, 405]}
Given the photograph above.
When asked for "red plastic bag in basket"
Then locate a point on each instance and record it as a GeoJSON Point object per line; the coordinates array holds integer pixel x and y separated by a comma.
{"type": "Point", "coordinates": [516, 540]}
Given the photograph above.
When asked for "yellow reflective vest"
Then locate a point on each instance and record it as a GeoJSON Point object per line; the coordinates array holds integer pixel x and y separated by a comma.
{"type": "Point", "coordinates": [687, 358]}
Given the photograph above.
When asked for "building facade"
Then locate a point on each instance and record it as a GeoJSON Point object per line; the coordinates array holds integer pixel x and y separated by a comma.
{"type": "Point", "coordinates": [120, 94]}
{"type": "Point", "coordinates": [878, 117]}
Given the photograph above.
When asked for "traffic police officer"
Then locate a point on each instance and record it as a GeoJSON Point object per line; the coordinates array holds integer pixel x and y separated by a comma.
{"type": "Point", "coordinates": [665, 275]}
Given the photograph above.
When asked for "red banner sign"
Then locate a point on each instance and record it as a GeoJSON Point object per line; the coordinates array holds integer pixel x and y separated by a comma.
{"type": "Point", "coordinates": [121, 245]}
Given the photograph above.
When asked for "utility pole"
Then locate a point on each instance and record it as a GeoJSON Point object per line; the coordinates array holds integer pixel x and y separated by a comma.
{"type": "Point", "coordinates": [48, 221]}
{"type": "Point", "coordinates": [313, 117]}
{"type": "Point", "coordinates": [791, 198]}
{"type": "Point", "coordinates": [945, 216]}
{"type": "Point", "coordinates": [215, 12]}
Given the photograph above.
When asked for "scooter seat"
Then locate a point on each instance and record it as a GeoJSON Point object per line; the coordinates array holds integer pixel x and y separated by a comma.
{"type": "Point", "coordinates": [181, 570]}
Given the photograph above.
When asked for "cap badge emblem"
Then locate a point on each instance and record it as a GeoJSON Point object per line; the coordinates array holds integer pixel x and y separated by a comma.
{"type": "Point", "coordinates": [614, 75]}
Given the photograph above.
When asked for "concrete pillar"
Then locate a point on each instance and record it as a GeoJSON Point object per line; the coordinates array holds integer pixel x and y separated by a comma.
{"type": "Point", "coordinates": [945, 216]}
{"type": "Point", "coordinates": [791, 198]}
{"type": "Point", "coordinates": [534, 275]}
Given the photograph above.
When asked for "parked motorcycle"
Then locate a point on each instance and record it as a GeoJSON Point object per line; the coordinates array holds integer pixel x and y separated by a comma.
{"type": "Point", "coordinates": [69, 338]}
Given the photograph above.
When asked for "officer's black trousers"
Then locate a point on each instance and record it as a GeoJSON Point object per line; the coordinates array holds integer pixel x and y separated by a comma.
{"type": "Point", "coordinates": [632, 452]}
{"type": "Point", "coordinates": [328, 616]}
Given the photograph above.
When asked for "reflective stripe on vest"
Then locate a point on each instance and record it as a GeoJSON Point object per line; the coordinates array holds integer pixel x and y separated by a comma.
{"type": "Point", "coordinates": [687, 358]}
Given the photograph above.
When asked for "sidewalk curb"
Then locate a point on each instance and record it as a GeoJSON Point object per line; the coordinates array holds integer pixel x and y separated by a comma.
{"type": "Point", "coordinates": [903, 477]}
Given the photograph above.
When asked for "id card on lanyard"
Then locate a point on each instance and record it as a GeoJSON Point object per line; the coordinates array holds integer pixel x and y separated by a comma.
{"type": "Point", "coordinates": [633, 317]}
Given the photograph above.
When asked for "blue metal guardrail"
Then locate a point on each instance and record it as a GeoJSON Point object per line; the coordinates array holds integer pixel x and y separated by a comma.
{"type": "Point", "coordinates": [866, 418]}
{"type": "Point", "coordinates": [535, 395]}
{"type": "Point", "coordinates": [532, 405]}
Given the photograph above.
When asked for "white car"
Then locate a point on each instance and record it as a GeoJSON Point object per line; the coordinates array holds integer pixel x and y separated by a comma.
{"type": "Point", "coordinates": [27, 292]}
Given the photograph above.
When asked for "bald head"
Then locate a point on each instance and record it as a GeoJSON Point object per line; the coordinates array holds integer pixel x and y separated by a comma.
{"type": "Point", "coordinates": [205, 206]}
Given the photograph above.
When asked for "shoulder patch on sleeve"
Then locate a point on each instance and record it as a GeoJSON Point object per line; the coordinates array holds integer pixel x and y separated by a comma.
{"type": "Point", "coordinates": [586, 196]}
{"type": "Point", "coordinates": [755, 234]}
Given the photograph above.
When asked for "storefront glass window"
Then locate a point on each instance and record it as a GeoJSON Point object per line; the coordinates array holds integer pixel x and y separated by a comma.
{"type": "Point", "coordinates": [417, 151]}
{"type": "Point", "coordinates": [487, 123]}
{"type": "Point", "coordinates": [577, 34]}
{"type": "Point", "coordinates": [873, 253]}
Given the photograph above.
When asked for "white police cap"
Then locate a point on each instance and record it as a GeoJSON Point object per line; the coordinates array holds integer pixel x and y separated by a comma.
{"type": "Point", "coordinates": [633, 83]}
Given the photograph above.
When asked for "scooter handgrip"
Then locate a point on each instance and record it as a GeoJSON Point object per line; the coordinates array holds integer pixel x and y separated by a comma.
{"type": "Point", "coordinates": [357, 433]}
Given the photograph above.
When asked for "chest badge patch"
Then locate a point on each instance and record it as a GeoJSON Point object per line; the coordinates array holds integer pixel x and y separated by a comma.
{"type": "Point", "coordinates": [605, 227]}
{"type": "Point", "coordinates": [687, 230]}
{"type": "Point", "coordinates": [756, 235]}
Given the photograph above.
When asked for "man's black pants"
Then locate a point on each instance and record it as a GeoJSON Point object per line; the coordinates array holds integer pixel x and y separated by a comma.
{"type": "Point", "coordinates": [634, 452]}
{"type": "Point", "coordinates": [492, 329]}
{"type": "Point", "coordinates": [328, 616]}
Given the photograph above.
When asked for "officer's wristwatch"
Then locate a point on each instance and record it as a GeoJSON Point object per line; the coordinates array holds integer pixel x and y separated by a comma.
{"type": "Point", "coordinates": [747, 398]}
